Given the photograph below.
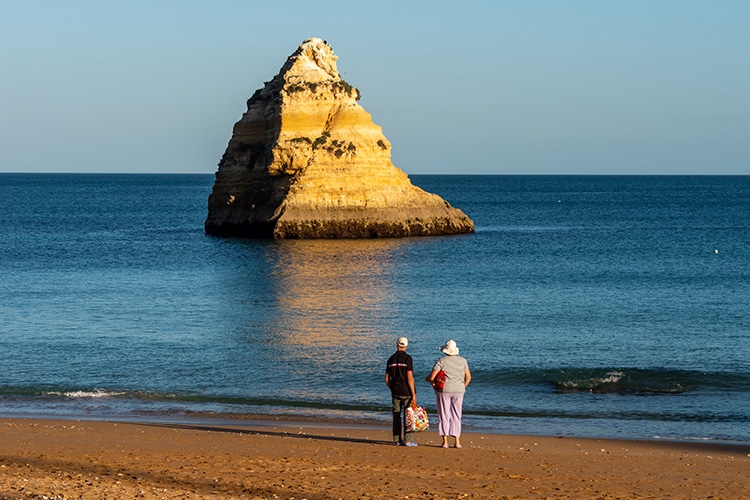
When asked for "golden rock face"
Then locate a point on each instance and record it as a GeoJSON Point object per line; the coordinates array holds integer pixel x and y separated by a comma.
{"type": "Point", "coordinates": [307, 161]}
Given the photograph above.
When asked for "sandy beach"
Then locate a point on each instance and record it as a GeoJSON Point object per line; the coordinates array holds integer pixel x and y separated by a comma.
{"type": "Point", "coordinates": [97, 460]}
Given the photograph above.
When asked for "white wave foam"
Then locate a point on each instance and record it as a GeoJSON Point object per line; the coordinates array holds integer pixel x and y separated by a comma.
{"type": "Point", "coordinates": [97, 393]}
{"type": "Point", "coordinates": [612, 377]}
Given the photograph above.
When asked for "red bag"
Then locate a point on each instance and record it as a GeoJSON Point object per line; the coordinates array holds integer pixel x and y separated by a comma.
{"type": "Point", "coordinates": [439, 381]}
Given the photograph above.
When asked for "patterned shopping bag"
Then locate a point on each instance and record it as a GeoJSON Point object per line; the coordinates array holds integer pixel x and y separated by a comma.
{"type": "Point", "coordinates": [416, 419]}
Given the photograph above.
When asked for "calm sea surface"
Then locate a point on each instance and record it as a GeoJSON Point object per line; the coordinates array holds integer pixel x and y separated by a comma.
{"type": "Point", "coordinates": [593, 306]}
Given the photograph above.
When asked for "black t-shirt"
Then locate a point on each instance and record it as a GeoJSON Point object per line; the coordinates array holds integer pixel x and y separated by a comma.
{"type": "Point", "coordinates": [397, 366]}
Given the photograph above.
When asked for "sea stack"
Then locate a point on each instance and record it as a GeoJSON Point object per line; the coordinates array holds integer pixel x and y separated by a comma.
{"type": "Point", "coordinates": [307, 161]}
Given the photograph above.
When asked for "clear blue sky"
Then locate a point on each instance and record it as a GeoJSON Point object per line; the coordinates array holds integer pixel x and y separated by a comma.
{"type": "Point", "coordinates": [495, 87]}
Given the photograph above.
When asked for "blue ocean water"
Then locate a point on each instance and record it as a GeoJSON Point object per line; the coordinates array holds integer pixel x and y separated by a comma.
{"type": "Point", "coordinates": [608, 306]}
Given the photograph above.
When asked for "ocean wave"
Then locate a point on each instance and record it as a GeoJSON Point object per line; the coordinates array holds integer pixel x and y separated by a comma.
{"type": "Point", "coordinates": [96, 393]}
{"type": "Point", "coordinates": [624, 381]}
{"type": "Point", "coordinates": [180, 401]}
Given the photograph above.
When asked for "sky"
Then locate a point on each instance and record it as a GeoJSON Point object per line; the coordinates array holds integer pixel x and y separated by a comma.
{"type": "Point", "coordinates": [459, 87]}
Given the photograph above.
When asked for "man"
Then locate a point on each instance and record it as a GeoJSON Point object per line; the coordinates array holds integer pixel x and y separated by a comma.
{"type": "Point", "coordinates": [399, 378]}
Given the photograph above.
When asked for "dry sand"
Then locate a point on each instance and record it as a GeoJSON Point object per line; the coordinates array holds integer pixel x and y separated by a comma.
{"type": "Point", "coordinates": [107, 460]}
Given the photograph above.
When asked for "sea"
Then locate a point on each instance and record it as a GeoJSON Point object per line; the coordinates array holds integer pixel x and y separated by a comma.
{"type": "Point", "coordinates": [592, 306]}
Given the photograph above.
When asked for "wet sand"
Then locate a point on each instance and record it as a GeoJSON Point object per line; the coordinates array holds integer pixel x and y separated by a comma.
{"type": "Point", "coordinates": [310, 460]}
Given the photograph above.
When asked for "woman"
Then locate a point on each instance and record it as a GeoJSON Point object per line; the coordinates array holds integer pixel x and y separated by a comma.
{"type": "Point", "coordinates": [450, 398]}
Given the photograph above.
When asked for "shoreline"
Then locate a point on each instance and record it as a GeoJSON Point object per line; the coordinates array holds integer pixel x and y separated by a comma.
{"type": "Point", "coordinates": [283, 419]}
{"type": "Point", "coordinates": [272, 458]}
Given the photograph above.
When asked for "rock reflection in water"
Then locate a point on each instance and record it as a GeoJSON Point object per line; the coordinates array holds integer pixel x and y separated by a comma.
{"type": "Point", "coordinates": [333, 297]}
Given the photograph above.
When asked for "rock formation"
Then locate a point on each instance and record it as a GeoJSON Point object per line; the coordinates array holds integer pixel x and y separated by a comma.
{"type": "Point", "coordinates": [306, 161]}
